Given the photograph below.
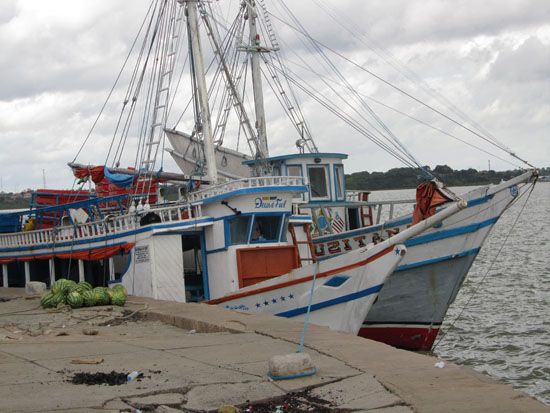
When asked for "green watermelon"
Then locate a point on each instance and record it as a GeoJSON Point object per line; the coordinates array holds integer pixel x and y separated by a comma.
{"type": "Point", "coordinates": [60, 285]}
{"type": "Point", "coordinates": [88, 298]}
{"type": "Point", "coordinates": [118, 298]}
{"type": "Point", "coordinates": [59, 298]}
{"type": "Point", "coordinates": [120, 288]}
{"type": "Point", "coordinates": [75, 300]}
{"type": "Point", "coordinates": [47, 300]}
{"type": "Point", "coordinates": [86, 286]}
{"type": "Point", "coordinates": [101, 296]}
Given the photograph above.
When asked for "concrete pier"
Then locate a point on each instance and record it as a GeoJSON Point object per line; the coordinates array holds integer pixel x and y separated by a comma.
{"type": "Point", "coordinates": [197, 357]}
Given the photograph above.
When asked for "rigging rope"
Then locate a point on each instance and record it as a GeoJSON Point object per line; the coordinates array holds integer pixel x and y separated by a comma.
{"type": "Point", "coordinates": [400, 90]}
{"type": "Point", "coordinates": [480, 283]}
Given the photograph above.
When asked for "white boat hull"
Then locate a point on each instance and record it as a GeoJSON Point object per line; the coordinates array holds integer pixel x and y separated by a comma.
{"type": "Point", "coordinates": [344, 289]}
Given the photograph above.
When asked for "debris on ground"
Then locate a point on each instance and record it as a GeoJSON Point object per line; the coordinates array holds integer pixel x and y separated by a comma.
{"type": "Point", "coordinates": [113, 378]}
{"type": "Point", "coordinates": [294, 402]}
{"type": "Point", "coordinates": [96, 360]}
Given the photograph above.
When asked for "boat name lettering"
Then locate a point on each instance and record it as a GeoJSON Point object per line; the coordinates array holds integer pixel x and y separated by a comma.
{"type": "Point", "coordinates": [237, 307]}
{"type": "Point", "coordinates": [339, 246]}
{"type": "Point", "coordinates": [269, 202]}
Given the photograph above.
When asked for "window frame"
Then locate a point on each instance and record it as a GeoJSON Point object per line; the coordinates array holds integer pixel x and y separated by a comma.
{"type": "Point", "coordinates": [328, 185]}
{"type": "Point", "coordinates": [339, 182]}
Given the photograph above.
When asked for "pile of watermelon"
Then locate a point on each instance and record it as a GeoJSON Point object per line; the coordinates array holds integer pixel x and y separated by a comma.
{"type": "Point", "coordinates": [68, 292]}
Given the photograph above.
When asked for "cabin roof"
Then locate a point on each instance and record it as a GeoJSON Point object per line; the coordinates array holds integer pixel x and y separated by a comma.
{"type": "Point", "coordinates": [299, 155]}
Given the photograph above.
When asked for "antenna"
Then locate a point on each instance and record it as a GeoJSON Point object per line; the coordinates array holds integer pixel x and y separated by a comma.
{"type": "Point", "coordinates": [44, 178]}
{"type": "Point", "coordinates": [489, 163]}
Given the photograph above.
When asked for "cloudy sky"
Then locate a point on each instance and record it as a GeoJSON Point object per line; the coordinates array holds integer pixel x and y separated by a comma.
{"type": "Point", "coordinates": [491, 59]}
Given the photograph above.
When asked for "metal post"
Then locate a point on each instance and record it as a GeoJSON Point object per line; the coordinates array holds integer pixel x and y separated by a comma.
{"type": "Point", "coordinates": [81, 271]}
{"type": "Point", "coordinates": [27, 272]}
{"type": "Point", "coordinates": [111, 269]}
{"type": "Point", "coordinates": [5, 275]}
{"type": "Point", "coordinates": [202, 90]}
{"type": "Point", "coordinates": [52, 271]}
{"type": "Point", "coordinates": [255, 50]}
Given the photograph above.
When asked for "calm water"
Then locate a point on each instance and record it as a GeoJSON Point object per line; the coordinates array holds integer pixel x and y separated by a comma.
{"type": "Point", "coordinates": [504, 328]}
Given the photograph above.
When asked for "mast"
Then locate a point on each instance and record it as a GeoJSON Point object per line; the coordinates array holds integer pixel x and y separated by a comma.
{"type": "Point", "coordinates": [205, 122]}
{"type": "Point", "coordinates": [255, 49]}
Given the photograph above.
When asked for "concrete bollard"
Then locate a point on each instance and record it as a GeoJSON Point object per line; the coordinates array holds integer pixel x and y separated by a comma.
{"type": "Point", "coordinates": [35, 288]}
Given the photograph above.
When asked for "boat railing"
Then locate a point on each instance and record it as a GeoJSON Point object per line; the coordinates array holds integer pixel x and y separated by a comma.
{"type": "Point", "coordinates": [372, 212]}
{"type": "Point", "coordinates": [111, 224]}
{"type": "Point", "coordinates": [254, 182]}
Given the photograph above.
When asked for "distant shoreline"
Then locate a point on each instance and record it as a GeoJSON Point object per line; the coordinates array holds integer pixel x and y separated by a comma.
{"type": "Point", "coordinates": [408, 178]}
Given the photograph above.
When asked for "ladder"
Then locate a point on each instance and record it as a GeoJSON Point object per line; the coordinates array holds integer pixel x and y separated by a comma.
{"type": "Point", "coordinates": [308, 242]}
{"type": "Point", "coordinates": [365, 211]}
{"type": "Point", "coordinates": [162, 99]}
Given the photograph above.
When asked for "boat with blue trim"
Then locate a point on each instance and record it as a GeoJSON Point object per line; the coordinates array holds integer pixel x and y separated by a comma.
{"type": "Point", "coordinates": [227, 240]}
{"type": "Point", "coordinates": [246, 232]}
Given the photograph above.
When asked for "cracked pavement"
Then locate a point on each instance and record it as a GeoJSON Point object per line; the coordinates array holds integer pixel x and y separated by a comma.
{"type": "Point", "coordinates": [196, 358]}
{"type": "Point", "coordinates": [182, 370]}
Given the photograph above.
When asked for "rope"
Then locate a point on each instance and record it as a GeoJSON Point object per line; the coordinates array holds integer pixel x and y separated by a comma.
{"type": "Point", "coordinates": [319, 44]}
{"type": "Point", "coordinates": [441, 337]}
{"type": "Point", "coordinates": [114, 85]}
{"type": "Point", "coordinates": [306, 318]}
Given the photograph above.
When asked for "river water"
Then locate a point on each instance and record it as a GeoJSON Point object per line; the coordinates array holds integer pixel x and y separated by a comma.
{"type": "Point", "coordinates": [504, 304]}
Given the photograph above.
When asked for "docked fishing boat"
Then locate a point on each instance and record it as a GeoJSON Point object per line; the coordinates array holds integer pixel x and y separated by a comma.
{"type": "Point", "coordinates": [227, 240]}
{"type": "Point", "coordinates": [251, 232]}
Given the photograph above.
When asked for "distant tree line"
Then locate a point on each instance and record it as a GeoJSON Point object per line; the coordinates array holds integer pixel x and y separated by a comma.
{"type": "Point", "coordinates": [402, 178]}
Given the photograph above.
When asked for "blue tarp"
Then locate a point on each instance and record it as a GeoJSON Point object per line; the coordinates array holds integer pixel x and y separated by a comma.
{"type": "Point", "coordinates": [120, 180]}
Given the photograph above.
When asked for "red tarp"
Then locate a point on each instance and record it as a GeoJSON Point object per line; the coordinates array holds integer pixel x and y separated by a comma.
{"type": "Point", "coordinates": [52, 197]}
{"type": "Point", "coordinates": [428, 197]}
{"type": "Point", "coordinates": [86, 255]}
{"type": "Point", "coordinates": [105, 188]}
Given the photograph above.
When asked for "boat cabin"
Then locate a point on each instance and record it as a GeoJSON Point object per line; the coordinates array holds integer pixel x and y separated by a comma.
{"type": "Point", "coordinates": [324, 173]}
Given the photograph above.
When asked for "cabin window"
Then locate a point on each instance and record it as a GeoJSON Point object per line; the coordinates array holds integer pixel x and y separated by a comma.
{"type": "Point", "coordinates": [238, 228]}
{"type": "Point", "coordinates": [294, 170]}
{"type": "Point", "coordinates": [266, 229]}
{"type": "Point", "coordinates": [339, 181]}
{"type": "Point", "coordinates": [317, 176]}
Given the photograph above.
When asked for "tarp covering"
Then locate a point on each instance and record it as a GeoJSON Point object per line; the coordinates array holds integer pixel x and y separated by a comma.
{"type": "Point", "coordinates": [428, 198]}
{"type": "Point", "coordinates": [86, 255]}
{"type": "Point", "coordinates": [94, 172]}
{"type": "Point", "coordinates": [108, 184]}
{"type": "Point", "coordinates": [120, 180]}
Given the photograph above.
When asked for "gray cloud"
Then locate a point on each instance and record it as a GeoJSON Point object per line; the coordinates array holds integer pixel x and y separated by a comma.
{"type": "Point", "coordinates": [490, 58]}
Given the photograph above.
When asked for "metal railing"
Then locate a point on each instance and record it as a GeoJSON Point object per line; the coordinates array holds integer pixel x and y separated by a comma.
{"type": "Point", "coordinates": [255, 182]}
{"type": "Point", "coordinates": [111, 224]}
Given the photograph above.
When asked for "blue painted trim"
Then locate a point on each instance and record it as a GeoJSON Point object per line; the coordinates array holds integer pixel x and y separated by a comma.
{"type": "Point", "coordinates": [298, 156]}
{"type": "Point", "coordinates": [453, 232]}
{"type": "Point", "coordinates": [308, 373]}
{"type": "Point", "coordinates": [214, 251]}
{"type": "Point", "coordinates": [336, 281]}
{"type": "Point", "coordinates": [465, 253]}
{"type": "Point", "coordinates": [248, 191]}
{"type": "Point", "coordinates": [110, 237]}
{"type": "Point", "coordinates": [127, 266]}
{"type": "Point", "coordinates": [329, 303]}
{"type": "Point", "coordinates": [205, 281]}
{"type": "Point", "coordinates": [478, 201]}
{"type": "Point", "coordinates": [297, 218]}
